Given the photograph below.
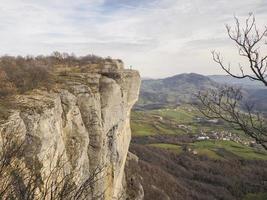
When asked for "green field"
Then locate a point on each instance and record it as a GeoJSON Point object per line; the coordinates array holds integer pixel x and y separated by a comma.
{"type": "Point", "coordinates": [216, 150]}
{"type": "Point", "coordinates": [181, 121]}
{"type": "Point", "coordinates": [150, 123]}
{"type": "Point", "coordinates": [259, 196]}
{"type": "Point", "coordinates": [171, 147]}
{"type": "Point", "coordinates": [167, 121]}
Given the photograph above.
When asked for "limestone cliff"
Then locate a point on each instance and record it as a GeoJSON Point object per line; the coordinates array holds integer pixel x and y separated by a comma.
{"type": "Point", "coordinates": [84, 120]}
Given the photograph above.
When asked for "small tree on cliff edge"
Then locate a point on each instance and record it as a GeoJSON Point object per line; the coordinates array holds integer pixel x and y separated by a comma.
{"type": "Point", "coordinates": [226, 102]}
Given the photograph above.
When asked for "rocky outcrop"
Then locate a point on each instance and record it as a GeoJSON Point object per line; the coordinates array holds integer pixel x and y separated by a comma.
{"type": "Point", "coordinates": [85, 121]}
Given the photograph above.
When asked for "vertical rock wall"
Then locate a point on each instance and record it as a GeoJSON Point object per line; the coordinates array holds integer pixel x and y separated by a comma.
{"type": "Point", "coordinates": [84, 121]}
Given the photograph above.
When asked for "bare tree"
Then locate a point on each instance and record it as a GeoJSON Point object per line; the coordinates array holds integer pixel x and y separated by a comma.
{"type": "Point", "coordinates": [227, 103]}
{"type": "Point", "coordinates": [249, 41]}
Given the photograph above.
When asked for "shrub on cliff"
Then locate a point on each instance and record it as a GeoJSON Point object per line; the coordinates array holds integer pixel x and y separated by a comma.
{"type": "Point", "coordinates": [6, 87]}
{"type": "Point", "coordinates": [21, 74]}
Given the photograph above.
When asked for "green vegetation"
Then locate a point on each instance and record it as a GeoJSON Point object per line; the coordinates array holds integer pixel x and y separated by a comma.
{"type": "Point", "coordinates": [216, 150]}
{"type": "Point", "coordinates": [180, 114]}
{"type": "Point", "coordinates": [181, 121]}
{"type": "Point", "coordinates": [213, 149]}
{"type": "Point", "coordinates": [258, 196]}
{"type": "Point", "coordinates": [150, 123]}
{"type": "Point", "coordinates": [170, 147]}
{"type": "Point", "coordinates": [144, 129]}
{"type": "Point", "coordinates": [209, 153]}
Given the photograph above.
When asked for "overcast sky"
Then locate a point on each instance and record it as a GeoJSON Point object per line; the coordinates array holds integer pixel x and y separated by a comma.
{"type": "Point", "coordinates": [157, 37]}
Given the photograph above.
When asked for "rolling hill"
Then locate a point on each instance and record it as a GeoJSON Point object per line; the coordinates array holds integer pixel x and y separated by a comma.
{"type": "Point", "coordinates": [171, 91]}
{"type": "Point", "coordinates": [181, 89]}
{"type": "Point", "coordinates": [255, 92]}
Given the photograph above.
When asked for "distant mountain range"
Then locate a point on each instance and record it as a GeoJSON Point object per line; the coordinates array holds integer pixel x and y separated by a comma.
{"type": "Point", "coordinates": [245, 83]}
{"type": "Point", "coordinates": [181, 88]}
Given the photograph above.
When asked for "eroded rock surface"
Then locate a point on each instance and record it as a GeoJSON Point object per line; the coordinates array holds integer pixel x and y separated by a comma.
{"type": "Point", "coordinates": [85, 120]}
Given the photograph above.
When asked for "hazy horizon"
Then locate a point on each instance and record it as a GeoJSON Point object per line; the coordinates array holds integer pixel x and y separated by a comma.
{"type": "Point", "coordinates": [160, 38]}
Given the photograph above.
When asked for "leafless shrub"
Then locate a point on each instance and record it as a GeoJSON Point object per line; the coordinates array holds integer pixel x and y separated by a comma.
{"type": "Point", "coordinates": [21, 74]}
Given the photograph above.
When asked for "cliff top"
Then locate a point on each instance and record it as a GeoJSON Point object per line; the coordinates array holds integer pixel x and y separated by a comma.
{"type": "Point", "coordinates": [34, 76]}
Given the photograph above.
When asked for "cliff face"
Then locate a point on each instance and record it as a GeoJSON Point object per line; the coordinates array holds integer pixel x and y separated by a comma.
{"type": "Point", "coordinates": [84, 121]}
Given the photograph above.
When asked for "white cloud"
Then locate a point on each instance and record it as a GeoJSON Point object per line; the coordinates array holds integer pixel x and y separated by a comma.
{"type": "Point", "coordinates": [158, 37]}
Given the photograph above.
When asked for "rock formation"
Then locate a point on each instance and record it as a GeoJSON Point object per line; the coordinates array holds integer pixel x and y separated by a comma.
{"type": "Point", "coordinates": [84, 120]}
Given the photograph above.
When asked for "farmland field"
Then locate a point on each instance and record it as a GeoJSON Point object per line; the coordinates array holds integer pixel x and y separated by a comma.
{"type": "Point", "coordinates": [162, 128]}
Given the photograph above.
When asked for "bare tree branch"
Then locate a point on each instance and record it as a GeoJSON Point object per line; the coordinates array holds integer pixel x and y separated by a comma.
{"type": "Point", "coordinates": [225, 103]}
{"type": "Point", "coordinates": [248, 40]}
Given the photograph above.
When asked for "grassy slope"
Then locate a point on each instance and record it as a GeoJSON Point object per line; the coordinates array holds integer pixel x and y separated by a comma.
{"type": "Point", "coordinates": [259, 196]}
{"type": "Point", "coordinates": [217, 150]}
{"type": "Point", "coordinates": [171, 147]}
{"type": "Point", "coordinates": [239, 150]}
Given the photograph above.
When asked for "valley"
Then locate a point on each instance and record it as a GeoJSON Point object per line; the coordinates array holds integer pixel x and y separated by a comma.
{"type": "Point", "coordinates": [200, 158]}
{"type": "Point", "coordinates": [176, 149]}
{"type": "Point", "coordinates": [182, 129]}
